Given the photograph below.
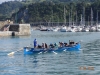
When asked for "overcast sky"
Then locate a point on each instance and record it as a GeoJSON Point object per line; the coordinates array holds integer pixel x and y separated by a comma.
{"type": "Point", "coordinates": [5, 0]}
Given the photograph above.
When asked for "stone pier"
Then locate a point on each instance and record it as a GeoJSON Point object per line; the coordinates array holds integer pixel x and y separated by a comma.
{"type": "Point", "coordinates": [15, 30]}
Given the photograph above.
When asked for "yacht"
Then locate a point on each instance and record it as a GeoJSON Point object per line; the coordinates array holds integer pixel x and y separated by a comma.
{"type": "Point", "coordinates": [63, 29]}
{"type": "Point", "coordinates": [55, 29]}
{"type": "Point", "coordinates": [85, 29]}
{"type": "Point", "coordinates": [98, 28]}
{"type": "Point", "coordinates": [92, 29]}
{"type": "Point", "coordinates": [71, 29]}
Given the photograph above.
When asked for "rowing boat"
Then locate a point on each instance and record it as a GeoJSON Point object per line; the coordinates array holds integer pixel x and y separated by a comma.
{"type": "Point", "coordinates": [29, 50]}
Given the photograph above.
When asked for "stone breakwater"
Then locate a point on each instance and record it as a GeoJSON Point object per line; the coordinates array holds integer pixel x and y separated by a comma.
{"type": "Point", "coordinates": [15, 30]}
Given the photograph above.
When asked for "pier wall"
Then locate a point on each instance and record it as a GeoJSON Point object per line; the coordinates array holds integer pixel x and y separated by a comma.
{"type": "Point", "coordinates": [5, 33]}
{"type": "Point", "coordinates": [24, 29]}
{"type": "Point", "coordinates": [16, 30]}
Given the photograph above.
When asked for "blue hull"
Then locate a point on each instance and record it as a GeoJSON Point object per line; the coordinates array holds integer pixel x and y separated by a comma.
{"type": "Point", "coordinates": [28, 50]}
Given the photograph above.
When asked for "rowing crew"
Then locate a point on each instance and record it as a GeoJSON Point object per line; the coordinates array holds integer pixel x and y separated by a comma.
{"type": "Point", "coordinates": [55, 45]}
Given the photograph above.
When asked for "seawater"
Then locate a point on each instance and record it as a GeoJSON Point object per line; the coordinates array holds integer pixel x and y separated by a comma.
{"type": "Point", "coordinates": [83, 62]}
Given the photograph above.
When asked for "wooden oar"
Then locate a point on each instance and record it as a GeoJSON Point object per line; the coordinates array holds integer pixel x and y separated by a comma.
{"type": "Point", "coordinates": [12, 53]}
{"type": "Point", "coordinates": [64, 50]}
{"type": "Point", "coordinates": [40, 53]}
{"type": "Point", "coordinates": [54, 52]}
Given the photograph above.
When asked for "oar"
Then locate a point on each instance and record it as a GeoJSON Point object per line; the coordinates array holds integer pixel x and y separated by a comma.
{"type": "Point", "coordinates": [80, 41]}
{"type": "Point", "coordinates": [64, 50]}
{"type": "Point", "coordinates": [40, 53]}
{"type": "Point", "coordinates": [54, 52]}
{"type": "Point", "coordinates": [45, 52]}
{"type": "Point", "coordinates": [12, 53]}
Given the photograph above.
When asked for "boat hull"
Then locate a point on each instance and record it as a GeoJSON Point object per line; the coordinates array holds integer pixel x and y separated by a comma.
{"type": "Point", "coordinates": [28, 50]}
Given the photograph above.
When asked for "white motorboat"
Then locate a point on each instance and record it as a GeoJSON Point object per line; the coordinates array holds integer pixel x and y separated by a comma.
{"type": "Point", "coordinates": [85, 29]}
{"type": "Point", "coordinates": [92, 29]}
{"type": "Point", "coordinates": [98, 28]}
{"type": "Point", "coordinates": [63, 29]}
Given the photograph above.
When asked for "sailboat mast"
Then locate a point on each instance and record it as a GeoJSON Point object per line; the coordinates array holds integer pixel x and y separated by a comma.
{"type": "Point", "coordinates": [69, 19]}
{"type": "Point", "coordinates": [52, 17]}
{"type": "Point", "coordinates": [84, 15]}
{"type": "Point", "coordinates": [81, 20]}
{"type": "Point", "coordinates": [91, 17]}
{"type": "Point", "coordinates": [64, 15]}
{"type": "Point", "coordinates": [97, 17]}
{"type": "Point", "coordinates": [76, 17]}
{"type": "Point", "coordinates": [71, 16]}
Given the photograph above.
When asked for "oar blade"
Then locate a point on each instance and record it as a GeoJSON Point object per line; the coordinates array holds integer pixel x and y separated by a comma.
{"type": "Point", "coordinates": [54, 52]}
{"type": "Point", "coordinates": [11, 54]}
{"type": "Point", "coordinates": [40, 53]}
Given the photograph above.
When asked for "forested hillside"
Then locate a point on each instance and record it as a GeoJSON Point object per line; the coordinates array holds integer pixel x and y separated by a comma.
{"type": "Point", "coordinates": [34, 1]}
{"type": "Point", "coordinates": [49, 10]}
{"type": "Point", "coordinates": [53, 12]}
{"type": "Point", "coordinates": [8, 8]}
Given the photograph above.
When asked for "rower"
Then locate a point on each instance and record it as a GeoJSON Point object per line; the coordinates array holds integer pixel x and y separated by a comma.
{"type": "Point", "coordinates": [46, 45]}
{"type": "Point", "coordinates": [71, 43]}
{"type": "Point", "coordinates": [51, 45]}
{"type": "Point", "coordinates": [55, 45]}
{"type": "Point", "coordinates": [43, 45]}
{"type": "Point", "coordinates": [61, 44]}
{"type": "Point", "coordinates": [65, 44]}
{"type": "Point", "coordinates": [39, 46]}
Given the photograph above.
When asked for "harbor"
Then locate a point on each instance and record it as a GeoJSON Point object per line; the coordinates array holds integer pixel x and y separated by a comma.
{"type": "Point", "coordinates": [66, 62]}
{"type": "Point", "coordinates": [50, 37]}
{"type": "Point", "coordinates": [61, 27]}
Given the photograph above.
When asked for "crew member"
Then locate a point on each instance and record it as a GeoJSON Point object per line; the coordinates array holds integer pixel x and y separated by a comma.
{"type": "Point", "coordinates": [35, 43]}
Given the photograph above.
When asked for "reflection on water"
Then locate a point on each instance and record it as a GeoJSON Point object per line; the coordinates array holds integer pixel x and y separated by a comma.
{"type": "Point", "coordinates": [64, 63]}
